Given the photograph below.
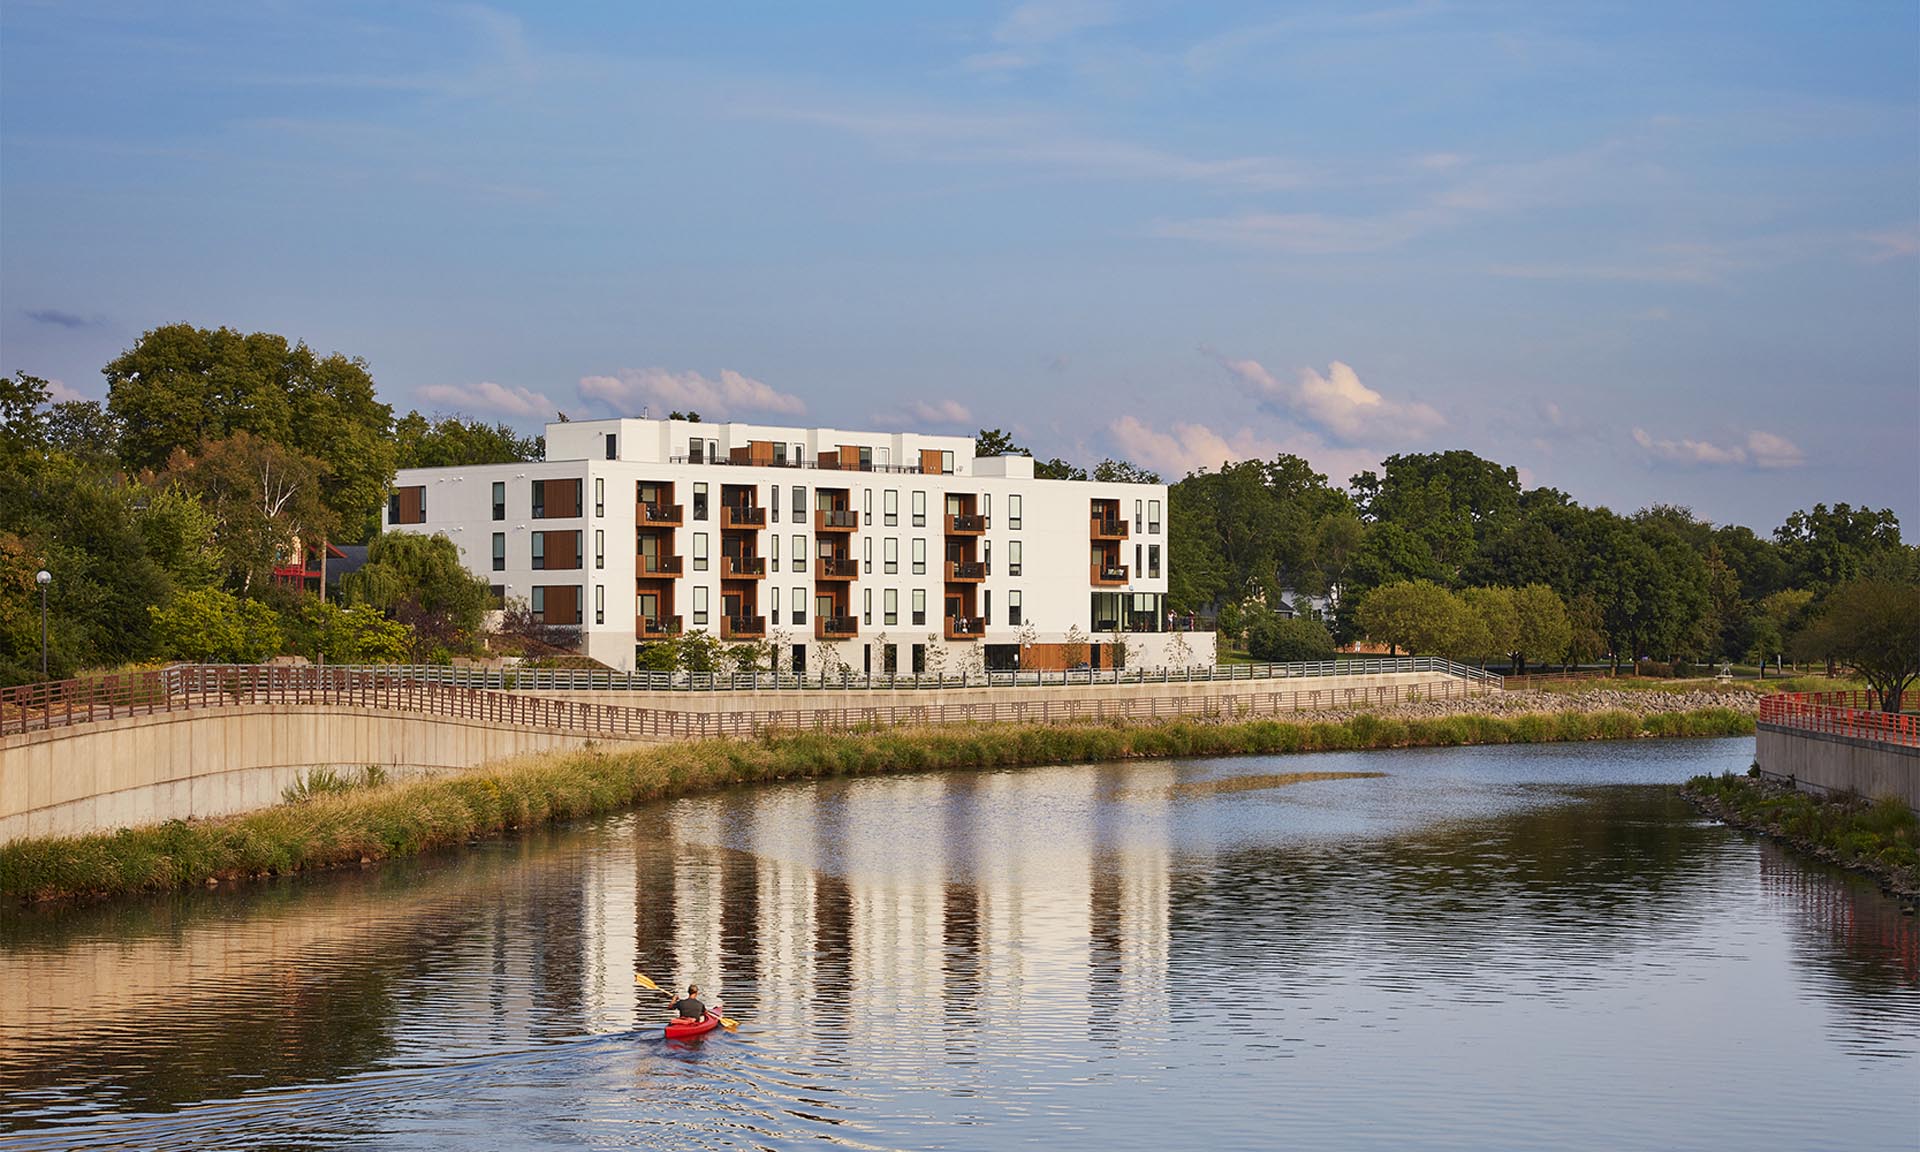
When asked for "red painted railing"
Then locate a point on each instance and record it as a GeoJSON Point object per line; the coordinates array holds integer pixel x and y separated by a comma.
{"type": "Point", "coordinates": [1852, 713]}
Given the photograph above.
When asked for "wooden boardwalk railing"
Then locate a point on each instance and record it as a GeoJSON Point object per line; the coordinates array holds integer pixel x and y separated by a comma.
{"type": "Point", "coordinates": [1849, 713]}
{"type": "Point", "coordinates": [41, 707]}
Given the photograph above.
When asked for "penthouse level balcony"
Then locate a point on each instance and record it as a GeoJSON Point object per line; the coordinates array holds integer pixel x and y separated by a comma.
{"type": "Point", "coordinates": [835, 627]}
{"type": "Point", "coordinates": [1109, 574]}
{"type": "Point", "coordinates": [830, 568]}
{"type": "Point", "coordinates": [657, 627]}
{"type": "Point", "coordinates": [736, 516]}
{"type": "Point", "coordinates": [966, 525]}
{"type": "Point", "coordinates": [743, 567]}
{"type": "Point", "coordinates": [660, 567]}
{"type": "Point", "coordinates": [967, 571]}
{"type": "Point", "coordinates": [835, 520]}
{"type": "Point", "coordinates": [659, 516]}
{"type": "Point", "coordinates": [743, 627]}
{"type": "Point", "coordinates": [1109, 528]}
{"type": "Point", "coordinates": [966, 627]}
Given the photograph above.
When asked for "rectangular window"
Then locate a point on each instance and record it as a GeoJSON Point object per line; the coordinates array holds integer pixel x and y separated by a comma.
{"type": "Point", "coordinates": [1153, 561]}
{"type": "Point", "coordinates": [919, 605]}
{"type": "Point", "coordinates": [713, 451]}
{"type": "Point", "coordinates": [919, 556]}
{"type": "Point", "coordinates": [946, 463]}
{"type": "Point", "coordinates": [866, 548]}
{"type": "Point", "coordinates": [1153, 517]}
{"type": "Point", "coordinates": [773, 598]}
{"type": "Point", "coordinates": [1136, 560]}
{"type": "Point", "coordinates": [799, 549]}
{"type": "Point", "coordinates": [696, 452]}
{"type": "Point", "coordinates": [773, 558]}
{"type": "Point", "coordinates": [408, 505]}
{"type": "Point", "coordinates": [919, 659]}
{"type": "Point", "coordinates": [799, 605]}
{"type": "Point", "coordinates": [986, 506]}
{"type": "Point", "coordinates": [890, 507]}
{"type": "Point", "coordinates": [779, 461]}
{"type": "Point", "coordinates": [986, 606]}
{"type": "Point", "coordinates": [774, 503]}
{"type": "Point", "coordinates": [799, 455]}
{"type": "Point", "coordinates": [599, 548]}
{"type": "Point", "coordinates": [1013, 609]}
{"type": "Point", "coordinates": [498, 595]}
{"type": "Point", "coordinates": [499, 499]}
{"type": "Point", "coordinates": [539, 549]}
{"type": "Point", "coordinates": [539, 604]}
{"type": "Point", "coordinates": [1136, 516]}
{"type": "Point", "coordinates": [600, 493]}
{"type": "Point", "coordinates": [600, 590]}
{"type": "Point", "coordinates": [700, 605]}
{"type": "Point", "coordinates": [866, 606]}
{"type": "Point", "coordinates": [919, 509]}
{"type": "Point", "coordinates": [1013, 512]}
{"type": "Point", "coordinates": [799, 503]}
{"type": "Point", "coordinates": [700, 501]}
{"type": "Point", "coordinates": [891, 555]}
{"type": "Point", "coordinates": [890, 606]}
{"type": "Point", "coordinates": [699, 551]}
{"type": "Point", "coordinates": [1013, 557]}
{"type": "Point", "coordinates": [866, 507]}
{"type": "Point", "coordinates": [499, 551]}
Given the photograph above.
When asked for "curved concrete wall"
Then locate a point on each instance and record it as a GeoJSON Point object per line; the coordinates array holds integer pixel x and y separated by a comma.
{"type": "Point", "coordinates": [218, 761]}
{"type": "Point", "coordinates": [1833, 763]}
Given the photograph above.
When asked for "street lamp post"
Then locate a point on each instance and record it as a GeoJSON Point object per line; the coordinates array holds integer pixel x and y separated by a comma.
{"type": "Point", "coordinates": [43, 578]}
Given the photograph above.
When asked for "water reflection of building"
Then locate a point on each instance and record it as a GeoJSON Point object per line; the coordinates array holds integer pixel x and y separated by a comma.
{"type": "Point", "coordinates": [1865, 927]}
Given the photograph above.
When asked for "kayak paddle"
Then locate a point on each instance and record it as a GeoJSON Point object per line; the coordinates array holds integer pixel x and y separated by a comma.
{"type": "Point", "coordinates": [640, 979]}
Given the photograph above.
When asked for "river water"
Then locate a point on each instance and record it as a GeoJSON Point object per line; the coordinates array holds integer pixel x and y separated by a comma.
{"type": "Point", "coordinates": [1477, 948]}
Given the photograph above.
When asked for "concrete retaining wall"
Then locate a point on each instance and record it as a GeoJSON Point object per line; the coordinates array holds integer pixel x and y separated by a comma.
{"type": "Point", "coordinates": [1831, 763]}
{"type": "Point", "coordinates": [216, 762]}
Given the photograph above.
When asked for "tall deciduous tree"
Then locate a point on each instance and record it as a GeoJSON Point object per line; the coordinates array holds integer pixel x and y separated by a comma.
{"type": "Point", "coordinates": [1873, 625]}
{"type": "Point", "coordinates": [1416, 615]}
{"type": "Point", "coordinates": [454, 441]}
{"type": "Point", "coordinates": [1542, 631]}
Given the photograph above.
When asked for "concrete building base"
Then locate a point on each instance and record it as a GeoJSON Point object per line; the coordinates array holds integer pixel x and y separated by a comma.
{"type": "Point", "coordinates": [1832, 763]}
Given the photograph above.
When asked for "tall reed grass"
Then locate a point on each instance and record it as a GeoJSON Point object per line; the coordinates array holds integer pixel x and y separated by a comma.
{"type": "Point", "coordinates": [336, 828]}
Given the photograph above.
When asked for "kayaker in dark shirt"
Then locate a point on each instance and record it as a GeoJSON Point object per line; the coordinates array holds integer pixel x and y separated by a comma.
{"type": "Point", "coordinates": [691, 1008]}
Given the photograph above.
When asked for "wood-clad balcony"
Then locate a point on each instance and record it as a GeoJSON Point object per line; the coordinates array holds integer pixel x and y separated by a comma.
{"type": "Point", "coordinates": [835, 520]}
{"type": "Point", "coordinates": [966, 571]}
{"type": "Point", "coordinates": [835, 627]}
{"type": "Point", "coordinates": [736, 517]}
{"type": "Point", "coordinates": [1109, 528]}
{"type": "Point", "coordinates": [965, 627]}
{"type": "Point", "coordinates": [743, 627]}
{"type": "Point", "coordinates": [657, 627]}
{"type": "Point", "coordinates": [966, 524]}
{"type": "Point", "coordinates": [659, 515]}
{"type": "Point", "coordinates": [832, 568]}
{"type": "Point", "coordinates": [743, 567]}
{"type": "Point", "coordinates": [656, 567]}
{"type": "Point", "coordinates": [1109, 574]}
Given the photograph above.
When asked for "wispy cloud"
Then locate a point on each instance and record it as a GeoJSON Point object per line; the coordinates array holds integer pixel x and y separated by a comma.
{"type": "Point", "coordinates": [487, 396]}
{"type": "Point", "coordinates": [1185, 448]}
{"type": "Point", "coordinates": [1336, 402]}
{"type": "Point", "coordinates": [1035, 26]}
{"type": "Point", "coordinates": [1893, 244]}
{"type": "Point", "coordinates": [727, 395]}
{"type": "Point", "coordinates": [924, 412]}
{"type": "Point", "coordinates": [1760, 450]}
{"type": "Point", "coordinates": [59, 319]}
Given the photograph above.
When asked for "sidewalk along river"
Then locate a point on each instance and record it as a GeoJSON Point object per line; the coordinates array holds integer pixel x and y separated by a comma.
{"type": "Point", "coordinates": [1509, 947]}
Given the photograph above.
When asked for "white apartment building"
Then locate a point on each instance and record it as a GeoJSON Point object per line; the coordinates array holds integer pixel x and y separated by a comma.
{"type": "Point", "coordinates": [871, 552]}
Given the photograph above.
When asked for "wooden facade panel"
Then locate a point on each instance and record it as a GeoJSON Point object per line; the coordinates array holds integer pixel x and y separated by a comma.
{"type": "Point", "coordinates": [557, 499]}
{"type": "Point", "coordinates": [560, 604]}
{"type": "Point", "coordinates": [408, 505]}
{"type": "Point", "coordinates": [561, 550]}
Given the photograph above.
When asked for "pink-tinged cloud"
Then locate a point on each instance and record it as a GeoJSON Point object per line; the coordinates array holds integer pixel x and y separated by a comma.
{"type": "Point", "coordinates": [660, 391]}
{"type": "Point", "coordinates": [1759, 450]}
{"type": "Point", "coordinates": [1337, 403]}
{"type": "Point", "coordinates": [486, 396]}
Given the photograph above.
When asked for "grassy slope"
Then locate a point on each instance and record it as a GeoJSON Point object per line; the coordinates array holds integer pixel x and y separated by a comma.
{"type": "Point", "coordinates": [1879, 837]}
{"type": "Point", "coordinates": [403, 819]}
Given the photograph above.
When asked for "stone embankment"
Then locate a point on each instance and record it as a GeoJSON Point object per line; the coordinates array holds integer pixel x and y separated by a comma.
{"type": "Point", "coordinates": [1636, 703]}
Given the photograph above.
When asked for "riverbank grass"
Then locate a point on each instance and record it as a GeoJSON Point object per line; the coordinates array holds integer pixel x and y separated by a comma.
{"type": "Point", "coordinates": [1879, 837]}
{"type": "Point", "coordinates": [334, 828]}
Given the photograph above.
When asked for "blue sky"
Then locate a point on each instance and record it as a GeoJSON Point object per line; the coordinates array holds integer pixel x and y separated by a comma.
{"type": "Point", "coordinates": [1645, 252]}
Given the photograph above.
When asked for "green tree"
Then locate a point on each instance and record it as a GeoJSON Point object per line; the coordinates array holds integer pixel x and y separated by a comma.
{"type": "Point", "coordinates": [211, 626]}
{"type": "Point", "coordinates": [1495, 631]}
{"type": "Point", "coordinates": [453, 442]}
{"type": "Point", "coordinates": [997, 442]}
{"type": "Point", "coordinates": [1279, 639]}
{"type": "Point", "coordinates": [1542, 630]}
{"type": "Point", "coordinates": [1417, 615]}
{"type": "Point", "coordinates": [1829, 546]}
{"type": "Point", "coordinates": [263, 497]}
{"type": "Point", "coordinates": [1058, 469]}
{"type": "Point", "coordinates": [181, 536]}
{"type": "Point", "coordinates": [1124, 472]}
{"type": "Point", "coordinates": [324, 631]}
{"type": "Point", "coordinates": [1873, 625]}
{"type": "Point", "coordinates": [420, 581]}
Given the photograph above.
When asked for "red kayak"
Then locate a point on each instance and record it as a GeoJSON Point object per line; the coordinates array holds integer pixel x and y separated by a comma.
{"type": "Point", "coordinates": [681, 1029]}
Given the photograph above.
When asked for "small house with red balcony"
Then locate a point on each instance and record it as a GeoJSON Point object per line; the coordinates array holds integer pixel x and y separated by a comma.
{"type": "Point", "coordinates": [303, 569]}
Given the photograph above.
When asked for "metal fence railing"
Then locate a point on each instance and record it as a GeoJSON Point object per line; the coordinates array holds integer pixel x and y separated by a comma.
{"type": "Point", "coordinates": [37, 707]}
{"type": "Point", "coordinates": [1850, 713]}
{"type": "Point", "coordinates": [606, 680]}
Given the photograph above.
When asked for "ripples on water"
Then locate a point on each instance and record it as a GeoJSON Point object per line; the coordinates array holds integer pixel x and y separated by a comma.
{"type": "Point", "coordinates": [1511, 947]}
